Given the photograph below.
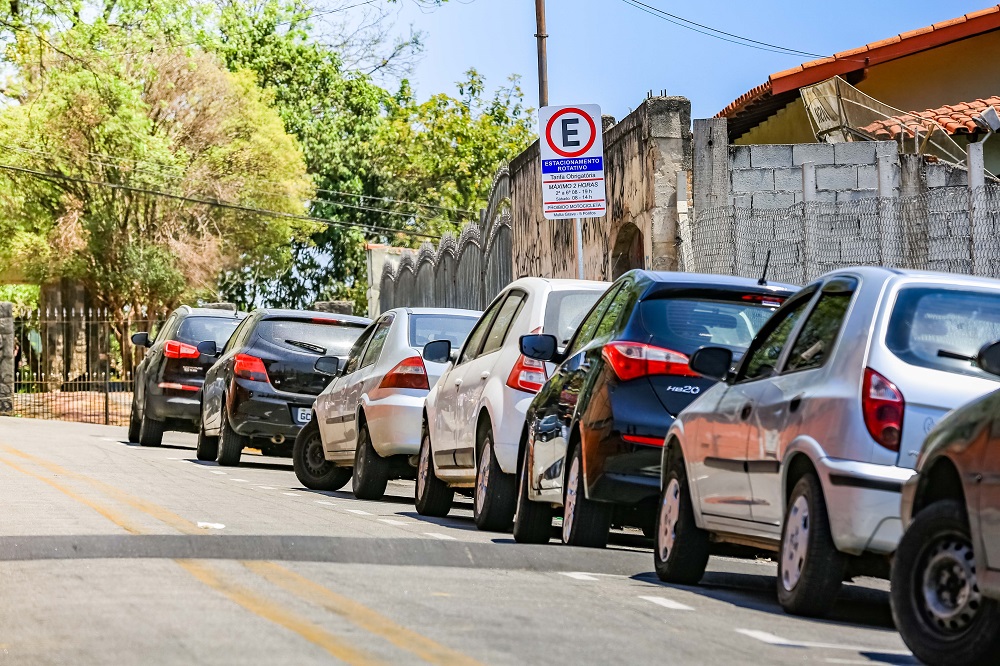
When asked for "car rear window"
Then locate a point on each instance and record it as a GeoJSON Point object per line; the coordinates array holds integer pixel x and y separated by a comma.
{"type": "Point", "coordinates": [427, 327]}
{"type": "Point", "coordinates": [200, 329]}
{"type": "Point", "coordinates": [927, 322]}
{"type": "Point", "coordinates": [564, 310]}
{"type": "Point", "coordinates": [318, 336]}
{"type": "Point", "coordinates": [684, 324]}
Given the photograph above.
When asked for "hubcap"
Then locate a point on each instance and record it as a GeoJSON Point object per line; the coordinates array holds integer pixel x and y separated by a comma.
{"type": "Point", "coordinates": [316, 462]}
{"type": "Point", "coordinates": [795, 548]}
{"type": "Point", "coordinates": [423, 467]}
{"type": "Point", "coordinates": [670, 510]}
{"type": "Point", "coordinates": [484, 478]}
{"type": "Point", "coordinates": [571, 491]}
{"type": "Point", "coordinates": [950, 590]}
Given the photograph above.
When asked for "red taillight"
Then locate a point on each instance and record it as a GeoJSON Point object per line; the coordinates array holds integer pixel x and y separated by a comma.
{"type": "Point", "coordinates": [178, 387]}
{"type": "Point", "coordinates": [882, 404]}
{"type": "Point", "coordinates": [640, 439]}
{"type": "Point", "coordinates": [410, 373]}
{"type": "Point", "coordinates": [631, 360]}
{"type": "Point", "coordinates": [174, 349]}
{"type": "Point", "coordinates": [250, 367]}
{"type": "Point", "coordinates": [764, 299]}
{"type": "Point", "coordinates": [527, 375]}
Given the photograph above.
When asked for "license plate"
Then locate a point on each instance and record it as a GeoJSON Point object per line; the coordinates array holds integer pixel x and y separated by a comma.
{"type": "Point", "coordinates": [303, 415]}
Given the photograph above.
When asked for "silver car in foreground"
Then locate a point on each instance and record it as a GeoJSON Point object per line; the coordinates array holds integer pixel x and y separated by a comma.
{"type": "Point", "coordinates": [805, 447]}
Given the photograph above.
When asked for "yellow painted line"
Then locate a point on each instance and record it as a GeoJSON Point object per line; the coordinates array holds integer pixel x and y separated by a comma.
{"type": "Point", "coordinates": [360, 615]}
{"type": "Point", "coordinates": [268, 610]}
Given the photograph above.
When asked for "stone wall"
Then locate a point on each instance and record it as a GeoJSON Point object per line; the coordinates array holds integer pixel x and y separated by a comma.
{"type": "Point", "coordinates": [6, 358]}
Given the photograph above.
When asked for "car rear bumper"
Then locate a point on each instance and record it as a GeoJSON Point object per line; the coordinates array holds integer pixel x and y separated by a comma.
{"type": "Point", "coordinates": [255, 412]}
{"type": "Point", "coordinates": [863, 503]}
{"type": "Point", "coordinates": [394, 422]}
{"type": "Point", "coordinates": [630, 476]}
{"type": "Point", "coordinates": [173, 404]}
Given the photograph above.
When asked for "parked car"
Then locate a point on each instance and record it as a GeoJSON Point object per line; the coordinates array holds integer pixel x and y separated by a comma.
{"type": "Point", "coordinates": [474, 415]}
{"type": "Point", "coordinates": [369, 417]}
{"type": "Point", "coordinates": [168, 380]}
{"type": "Point", "coordinates": [594, 433]}
{"type": "Point", "coordinates": [262, 388]}
{"type": "Point", "coordinates": [946, 573]}
{"type": "Point", "coordinates": [804, 449]}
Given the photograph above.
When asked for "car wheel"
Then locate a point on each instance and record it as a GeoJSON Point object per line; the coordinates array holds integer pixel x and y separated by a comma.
{"type": "Point", "coordinates": [231, 444]}
{"type": "Point", "coordinates": [533, 520]}
{"type": "Point", "coordinates": [494, 500]}
{"type": "Point", "coordinates": [681, 551]}
{"type": "Point", "coordinates": [810, 568]}
{"type": "Point", "coordinates": [371, 471]}
{"type": "Point", "coordinates": [134, 423]}
{"type": "Point", "coordinates": [208, 447]}
{"type": "Point", "coordinates": [433, 496]}
{"type": "Point", "coordinates": [936, 601]}
{"type": "Point", "coordinates": [585, 522]}
{"type": "Point", "coordinates": [150, 431]}
{"type": "Point", "coordinates": [312, 469]}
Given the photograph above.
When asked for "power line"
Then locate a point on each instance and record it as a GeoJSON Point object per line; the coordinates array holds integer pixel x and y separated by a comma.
{"type": "Point", "coordinates": [216, 203]}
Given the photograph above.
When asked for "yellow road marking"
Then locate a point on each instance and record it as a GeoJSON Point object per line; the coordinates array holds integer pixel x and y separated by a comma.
{"type": "Point", "coordinates": [360, 615]}
{"type": "Point", "coordinates": [268, 610]}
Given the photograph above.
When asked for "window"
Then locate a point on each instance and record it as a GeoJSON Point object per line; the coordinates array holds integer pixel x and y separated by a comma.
{"type": "Point", "coordinates": [564, 310]}
{"type": "Point", "coordinates": [378, 341]}
{"type": "Point", "coordinates": [585, 333]}
{"type": "Point", "coordinates": [426, 328]}
{"type": "Point", "coordinates": [687, 324]}
{"type": "Point", "coordinates": [238, 335]}
{"type": "Point", "coordinates": [161, 334]}
{"type": "Point", "coordinates": [819, 333]}
{"type": "Point", "coordinates": [354, 356]}
{"type": "Point", "coordinates": [199, 329]}
{"type": "Point", "coordinates": [762, 357]}
{"type": "Point", "coordinates": [475, 340]}
{"type": "Point", "coordinates": [323, 337]}
{"type": "Point", "coordinates": [621, 306]}
{"type": "Point", "coordinates": [504, 320]}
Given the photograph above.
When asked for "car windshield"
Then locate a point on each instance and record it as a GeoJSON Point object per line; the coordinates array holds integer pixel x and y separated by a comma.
{"type": "Point", "coordinates": [564, 311]}
{"type": "Point", "coordinates": [427, 327]}
{"type": "Point", "coordinates": [200, 329]}
{"type": "Point", "coordinates": [327, 337]}
{"type": "Point", "coordinates": [684, 325]}
{"type": "Point", "coordinates": [932, 327]}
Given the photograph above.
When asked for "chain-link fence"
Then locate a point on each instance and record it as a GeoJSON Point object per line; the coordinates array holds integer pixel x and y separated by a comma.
{"type": "Point", "coordinates": [947, 229]}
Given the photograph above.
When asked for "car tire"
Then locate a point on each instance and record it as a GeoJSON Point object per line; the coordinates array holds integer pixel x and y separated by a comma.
{"type": "Point", "coordinates": [150, 431]}
{"type": "Point", "coordinates": [495, 498]}
{"type": "Point", "coordinates": [681, 548]}
{"type": "Point", "coordinates": [936, 628]}
{"type": "Point", "coordinates": [532, 520]}
{"type": "Point", "coordinates": [586, 523]}
{"type": "Point", "coordinates": [433, 496]}
{"type": "Point", "coordinates": [208, 447]}
{"type": "Point", "coordinates": [371, 471]}
{"type": "Point", "coordinates": [312, 469]}
{"type": "Point", "coordinates": [231, 444]}
{"type": "Point", "coordinates": [134, 423]}
{"type": "Point", "coordinates": [810, 568]}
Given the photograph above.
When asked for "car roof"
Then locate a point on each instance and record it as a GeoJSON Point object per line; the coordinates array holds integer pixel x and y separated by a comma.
{"type": "Point", "coordinates": [439, 311]}
{"type": "Point", "coordinates": [902, 274]}
{"type": "Point", "coordinates": [211, 312]}
{"type": "Point", "coordinates": [270, 313]}
{"type": "Point", "coordinates": [558, 284]}
{"type": "Point", "coordinates": [711, 280]}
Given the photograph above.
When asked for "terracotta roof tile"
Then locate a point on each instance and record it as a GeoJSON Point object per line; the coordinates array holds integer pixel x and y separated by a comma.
{"type": "Point", "coordinates": [955, 119]}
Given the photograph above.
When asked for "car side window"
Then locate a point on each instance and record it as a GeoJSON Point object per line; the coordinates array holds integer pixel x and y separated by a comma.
{"type": "Point", "coordinates": [585, 332]}
{"type": "Point", "coordinates": [354, 356]}
{"type": "Point", "coordinates": [504, 320]}
{"type": "Point", "coordinates": [623, 302]}
{"type": "Point", "coordinates": [164, 331]}
{"type": "Point", "coordinates": [762, 356]}
{"type": "Point", "coordinates": [378, 341]}
{"type": "Point", "coordinates": [475, 340]}
{"type": "Point", "coordinates": [238, 336]}
{"type": "Point", "coordinates": [815, 341]}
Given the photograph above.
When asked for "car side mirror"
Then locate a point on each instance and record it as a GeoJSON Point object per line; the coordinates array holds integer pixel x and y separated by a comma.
{"type": "Point", "coordinates": [438, 351]}
{"type": "Point", "coordinates": [327, 365]}
{"type": "Point", "coordinates": [988, 358]}
{"type": "Point", "coordinates": [712, 362]}
{"type": "Point", "coordinates": [141, 339]}
{"type": "Point", "coordinates": [541, 347]}
{"type": "Point", "coordinates": [208, 348]}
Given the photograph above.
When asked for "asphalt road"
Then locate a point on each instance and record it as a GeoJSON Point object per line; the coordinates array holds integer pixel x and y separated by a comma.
{"type": "Point", "coordinates": [113, 553]}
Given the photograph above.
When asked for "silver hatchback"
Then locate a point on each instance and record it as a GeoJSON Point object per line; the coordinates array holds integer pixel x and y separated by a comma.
{"type": "Point", "coordinates": [805, 446]}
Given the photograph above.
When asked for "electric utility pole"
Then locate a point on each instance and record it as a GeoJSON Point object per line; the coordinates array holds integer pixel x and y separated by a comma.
{"type": "Point", "coordinates": [543, 67]}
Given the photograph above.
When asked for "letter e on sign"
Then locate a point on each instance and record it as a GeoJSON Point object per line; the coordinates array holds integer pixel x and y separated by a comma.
{"type": "Point", "coordinates": [572, 151]}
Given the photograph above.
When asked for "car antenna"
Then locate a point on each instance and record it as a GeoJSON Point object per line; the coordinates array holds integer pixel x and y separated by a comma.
{"type": "Point", "coordinates": [767, 262]}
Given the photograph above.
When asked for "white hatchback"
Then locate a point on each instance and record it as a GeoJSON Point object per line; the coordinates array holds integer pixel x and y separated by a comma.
{"type": "Point", "coordinates": [474, 416]}
{"type": "Point", "coordinates": [369, 416]}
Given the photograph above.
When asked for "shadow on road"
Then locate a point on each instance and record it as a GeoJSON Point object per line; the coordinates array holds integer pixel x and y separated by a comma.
{"type": "Point", "coordinates": [175, 447]}
{"type": "Point", "coordinates": [454, 522]}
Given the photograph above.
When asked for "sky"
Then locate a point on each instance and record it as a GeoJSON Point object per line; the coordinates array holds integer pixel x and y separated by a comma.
{"type": "Point", "coordinates": [608, 53]}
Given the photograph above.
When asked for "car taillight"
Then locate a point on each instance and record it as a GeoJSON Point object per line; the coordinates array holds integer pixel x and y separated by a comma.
{"type": "Point", "coordinates": [882, 405]}
{"type": "Point", "coordinates": [409, 373]}
{"type": "Point", "coordinates": [631, 360]}
{"type": "Point", "coordinates": [527, 375]}
{"type": "Point", "coordinates": [250, 367]}
{"type": "Point", "coordinates": [174, 349]}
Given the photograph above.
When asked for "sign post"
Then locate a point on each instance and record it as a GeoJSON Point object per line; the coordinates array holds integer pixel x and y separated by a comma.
{"type": "Point", "coordinates": [572, 151]}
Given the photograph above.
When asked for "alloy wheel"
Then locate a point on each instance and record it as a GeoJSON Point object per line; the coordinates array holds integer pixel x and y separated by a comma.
{"type": "Point", "coordinates": [484, 479]}
{"type": "Point", "coordinates": [795, 549]}
{"type": "Point", "coordinates": [670, 511]}
{"type": "Point", "coordinates": [572, 481]}
{"type": "Point", "coordinates": [424, 466]}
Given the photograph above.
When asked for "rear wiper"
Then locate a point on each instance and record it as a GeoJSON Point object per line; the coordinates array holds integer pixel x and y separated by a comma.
{"type": "Point", "coordinates": [308, 346]}
{"type": "Point", "coordinates": [944, 353]}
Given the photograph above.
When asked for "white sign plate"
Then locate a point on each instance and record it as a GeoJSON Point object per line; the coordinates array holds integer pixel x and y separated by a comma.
{"type": "Point", "coordinates": [572, 148]}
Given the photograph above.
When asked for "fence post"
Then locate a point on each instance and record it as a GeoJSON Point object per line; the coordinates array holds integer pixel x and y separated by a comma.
{"type": "Point", "coordinates": [891, 238]}
{"type": "Point", "coordinates": [6, 358]}
{"type": "Point", "coordinates": [808, 217]}
{"type": "Point", "coordinates": [979, 236]}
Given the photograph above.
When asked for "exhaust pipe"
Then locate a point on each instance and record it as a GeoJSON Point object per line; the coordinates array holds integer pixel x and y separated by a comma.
{"type": "Point", "coordinates": [278, 439]}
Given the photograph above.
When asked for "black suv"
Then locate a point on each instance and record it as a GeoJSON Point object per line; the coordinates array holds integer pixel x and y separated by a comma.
{"type": "Point", "coordinates": [265, 382]}
{"type": "Point", "coordinates": [168, 381]}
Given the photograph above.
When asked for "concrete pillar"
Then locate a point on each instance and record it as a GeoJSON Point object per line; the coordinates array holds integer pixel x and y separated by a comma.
{"type": "Point", "coordinates": [6, 358]}
{"type": "Point", "coordinates": [981, 239]}
{"type": "Point", "coordinates": [712, 185]}
{"type": "Point", "coordinates": [809, 214]}
{"type": "Point", "coordinates": [667, 131]}
{"type": "Point", "coordinates": [891, 237]}
{"type": "Point", "coordinates": [913, 217]}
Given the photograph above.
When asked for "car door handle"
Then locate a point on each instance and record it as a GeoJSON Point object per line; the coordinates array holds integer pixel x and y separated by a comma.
{"type": "Point", "coordinates": [795, 403]}
{"type": "Point", "coordinates": [745, 413]}
{"type": "Point", "coordinates": [458, 382]}
{"type": "Point", "coordinates": [484, 376]}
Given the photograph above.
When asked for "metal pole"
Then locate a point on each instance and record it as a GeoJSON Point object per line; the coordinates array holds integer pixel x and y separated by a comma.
{"type": "Point", "coordinates": [543, 68]}
{"type": "Point", "coordinates": [579, 247]}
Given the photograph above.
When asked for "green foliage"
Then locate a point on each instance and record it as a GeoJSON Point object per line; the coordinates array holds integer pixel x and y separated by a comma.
{"type": "Point", "coordinates": [21, 295]}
